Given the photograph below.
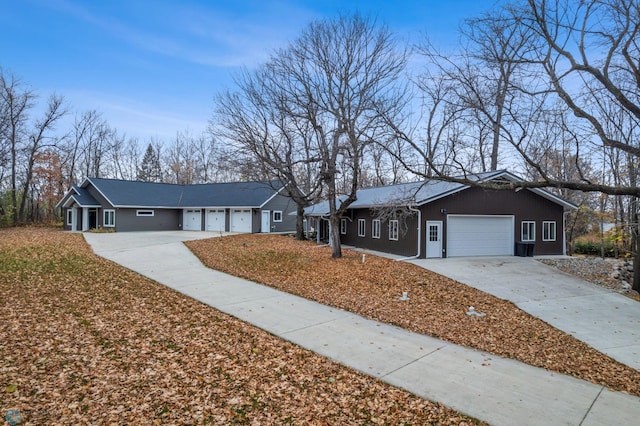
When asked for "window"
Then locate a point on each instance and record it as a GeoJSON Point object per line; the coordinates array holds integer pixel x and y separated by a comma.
{"type": "Point", "coordinates": [375, 228]}
{"type": "Point", "coordinates": [528, 231]}
{"type": "Point", "coordinates": [362, 227]}
{"type": "Point", "coordinates": [393, 230]}
{"type": "Point", "coordinates": [434, 233]}
{"type": "Point", "coordinates": [277, 216]}
{"type": "Point", "coordinates": [145, 212]}
{"type": "Point", "coordinates": [109, 218]}
{"type": "Point", "coordinates": [69, 217]}
{"type": "Point", "coordinates": [548, 231]}
{"type": "Point", "coordinates": [343, 226]}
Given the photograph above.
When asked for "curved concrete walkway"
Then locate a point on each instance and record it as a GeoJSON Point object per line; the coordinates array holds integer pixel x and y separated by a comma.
{"type": "Point", "coordinates": [498, 390]}
{"type": "Point", "coordinates": [605, 320]}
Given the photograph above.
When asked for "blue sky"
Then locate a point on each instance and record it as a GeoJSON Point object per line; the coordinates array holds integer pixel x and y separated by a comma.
{"type": "Point", "coordinates": [153, 67]}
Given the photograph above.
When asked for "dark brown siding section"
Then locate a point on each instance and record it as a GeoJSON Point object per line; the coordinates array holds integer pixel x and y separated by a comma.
{"type": "Point", "coordinates": [407, 244]}
{"type": "Point", "coordinates": [524, 205]}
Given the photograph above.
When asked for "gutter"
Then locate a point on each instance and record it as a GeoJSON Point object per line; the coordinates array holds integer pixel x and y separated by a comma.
{"type": "Point", "coordinates": [413, 209]}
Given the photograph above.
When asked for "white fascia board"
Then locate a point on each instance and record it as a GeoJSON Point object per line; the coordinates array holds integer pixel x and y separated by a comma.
{"type": "Point", "coordinates": [552, 197]}
{"type": "Point", "coordinates": [123, 206]}
{"type": "Point", "coordinates": [64, 199]}
{"type": "Point", "coordinates": [216, 207]}
{"type": "Point", "coordinates": [87, 181]}
{"type": "Point", "coordinates": [539, 191]}
{"type": "Point", "coordinates": [75, 200]}
{"type": "Point", "coordinates": [271, 198]}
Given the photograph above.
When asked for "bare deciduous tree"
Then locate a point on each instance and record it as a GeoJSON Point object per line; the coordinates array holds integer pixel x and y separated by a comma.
{"type": "Point", "coordinates": [337, 80]}
{"type": "Point", "coordinates": [580, 55]}
{"type": "Point", "coordinates": [16, 103]}
{"type": "Point", "coordinates": [40, 138]}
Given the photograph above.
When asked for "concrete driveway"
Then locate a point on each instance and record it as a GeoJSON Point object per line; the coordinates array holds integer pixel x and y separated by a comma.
{"type": "Point", "coordinates": [498, 390]}
{"type": "Point", "coordinates": [607, 321]}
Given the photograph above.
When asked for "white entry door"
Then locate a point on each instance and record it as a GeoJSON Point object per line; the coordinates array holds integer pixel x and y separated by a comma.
{"type": "Point", "coordinates": [434, 238]}
{"type": "Point", "coordinates": [266, 221]}
{"type": "Point", "coordinates": [192, 220]}
{"type": "Point", "coordinates": [216, 220]}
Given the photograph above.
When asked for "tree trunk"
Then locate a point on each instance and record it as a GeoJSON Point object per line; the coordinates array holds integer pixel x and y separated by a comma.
{"type": "Point", "coordinates": [300, 223]}
{"type": "Point", "coordinates": [334, 237]}
{"type": "Point", "coordinates": [14, 185]}
{"type": "Point", "coordinates": [636, 257]}
{"type": "Point", "coordinates": [25, 188]}
{"type": "Point", "coordinates": [636, 269]}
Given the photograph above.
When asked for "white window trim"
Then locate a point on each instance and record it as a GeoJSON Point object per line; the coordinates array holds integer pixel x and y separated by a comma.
{"type": "Point", "coordinates": [343, 226]}
{"type": "Point", "coordinates": [545, 225]}
{"type": "Point", "coordinates": [526, 223]}
{"type": "Point", "coordinates": [145, 213]}
{"type": "Point", "coordinates": [375, 228]}
{"type": "Point", "coordinates": [105, 213]}
{"type": "Point", "coordinates": [362, 227]}
{"type": "Point", "coordinates": [69, 217]}
{"type": "Point", "coordinates": [394, 230]}
{"type": "Point", "coordinates": [276, 214]}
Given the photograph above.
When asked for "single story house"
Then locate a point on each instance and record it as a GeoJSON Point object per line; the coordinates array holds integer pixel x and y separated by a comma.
{"type": "Point", "coordinates": [448, 219]}
{"type": "Point", "coordinates": [121, 205]}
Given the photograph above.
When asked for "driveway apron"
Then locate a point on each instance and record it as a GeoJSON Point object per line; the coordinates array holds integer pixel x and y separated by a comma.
{"type": "Point", "coordinates": [606, 320]}
{"type": "Point", "coordinates": [498, 390]}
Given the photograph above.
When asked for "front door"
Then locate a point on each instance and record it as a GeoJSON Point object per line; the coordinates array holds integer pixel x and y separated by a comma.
{"type": "Point", "coordinates": [434, 238]}
{"type": "Point", "coordinates": [92, 219]}
{"type": "Point", "coordinates": [266, 221]}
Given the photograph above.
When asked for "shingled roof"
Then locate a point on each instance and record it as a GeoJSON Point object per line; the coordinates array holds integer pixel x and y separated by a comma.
{"type": "Point", "coordinates": [121, 193]}
{"type": "Point", "coordinates": [136, 194]}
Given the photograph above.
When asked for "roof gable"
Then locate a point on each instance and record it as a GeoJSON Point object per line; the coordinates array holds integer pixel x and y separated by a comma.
{"type": "Point", "coordinates": [80, 196]}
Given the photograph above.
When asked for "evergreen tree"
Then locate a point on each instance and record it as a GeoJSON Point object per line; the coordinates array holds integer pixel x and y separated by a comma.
{"type": "Point", "coordinates": [150, 167]}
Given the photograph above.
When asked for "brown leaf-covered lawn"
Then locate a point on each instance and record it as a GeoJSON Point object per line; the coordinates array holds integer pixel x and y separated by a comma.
{"type": "Point", "coordinates": [437, 305]}
{"type": "Point", "coordinates": [84, 341]}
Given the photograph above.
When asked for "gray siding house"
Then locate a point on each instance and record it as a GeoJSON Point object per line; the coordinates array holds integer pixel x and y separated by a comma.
{"type": "Point", "coordinates": [452, 219]}
{"type": "Point", "coordinates": [244, 207]}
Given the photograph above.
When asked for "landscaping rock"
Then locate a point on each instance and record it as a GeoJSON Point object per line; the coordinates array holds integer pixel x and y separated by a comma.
{"type": "Point", "coordinates": [613, 274]}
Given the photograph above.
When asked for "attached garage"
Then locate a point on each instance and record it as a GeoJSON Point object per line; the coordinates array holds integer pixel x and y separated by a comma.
{"type": "Point", "coordinates": [215, 220]}
{"type": "Point", "coordinates": [471, 235]}
{"type": "Point", "coordinates": [241, 220]}
{"type": "Point", "coordinates": [192, 220]}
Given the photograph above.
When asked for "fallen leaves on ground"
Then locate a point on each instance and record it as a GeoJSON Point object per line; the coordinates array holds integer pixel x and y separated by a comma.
{"type": "Point", "coordinates": [437, 305]}
{"type": "Point", "coordinates": [84, 341]}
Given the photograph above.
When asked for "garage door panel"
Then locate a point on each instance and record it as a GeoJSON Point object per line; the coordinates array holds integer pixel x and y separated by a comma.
{"type": "Point", "coordinates": [241, 221]}
{"type": "Point", "coordinates": [192, 220]}
{"type": "Point", "coordinates": [480, 236]}
{"type": "Point", "coordinates": [216, 220]}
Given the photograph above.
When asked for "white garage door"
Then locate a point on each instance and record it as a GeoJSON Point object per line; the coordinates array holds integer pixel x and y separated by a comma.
{"type": "Point", "coordinates": [192, 220]}
{"type": "Point", "coordinates": [215, 220]}
{"type": "Point", "coordinates": [480, 235]}
{"type": "Point", "coordinates": [240, 221]}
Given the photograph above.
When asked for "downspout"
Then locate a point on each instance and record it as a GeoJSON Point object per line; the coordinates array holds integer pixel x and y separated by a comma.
{"type": "Point", "coordinates": [564, 233]}
{"type": "Point", "coordinates": [413, 209]}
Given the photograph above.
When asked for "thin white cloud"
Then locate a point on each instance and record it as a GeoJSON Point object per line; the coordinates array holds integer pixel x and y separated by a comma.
{"type": "Point", "coordinates": [205, 36]}
{"type": "Point", "coordinates": [138, 119]}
